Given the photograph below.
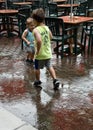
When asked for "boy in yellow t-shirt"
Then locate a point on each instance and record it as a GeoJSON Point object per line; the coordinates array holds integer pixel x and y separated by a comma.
{"type": "Point", "coordinates": [43, 54]}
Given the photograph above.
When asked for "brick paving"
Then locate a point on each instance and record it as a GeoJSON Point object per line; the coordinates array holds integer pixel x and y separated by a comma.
{"type": "Point", "coordinates": [70, 108]}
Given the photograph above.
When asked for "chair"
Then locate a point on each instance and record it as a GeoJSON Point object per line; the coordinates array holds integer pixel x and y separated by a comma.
{"type": "Point", "coordinates": [35, 4]}
{"type": "Point", "coordinates": [22, 25]}
{"type": "Point", "coordinates": [0, 24]}
{"type": "Point", "coordinates": [90, 8]}
{"type": "Point", "coordinates": [25, 11]}
{"type": "Point", "coordinates": [88, 32]}
{"type": "Point", "coordinates": [60, 33]}
{"type": "Point", "coordinates": [39, 4]}
{"type": "Point", "coordinates": [14, 19]}
{"type": "Point", "coordinates": [2, 5]}
{"type": "Point", "coordinates": [44, 4]}
{"type": "Point", "coordinates": [87, 35]}
{"type": "Point", "coordinates": [82, 9]}
{"type": "Point", "coordinates": [68, 2]}
{"type": "Point", "coordinates": [53, 10]}
{"type": "Point", "coordinates": [10, 5]}
{"type": "Point", "coordinates": [90, 5]}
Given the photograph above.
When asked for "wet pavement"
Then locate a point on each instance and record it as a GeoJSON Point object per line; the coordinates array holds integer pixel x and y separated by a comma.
{"type": "Point", "coordinates": [70, 108]}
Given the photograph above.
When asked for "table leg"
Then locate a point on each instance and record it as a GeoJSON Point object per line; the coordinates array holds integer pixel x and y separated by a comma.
{"type": "Point", "coordinates": [4, 23]}
{"type": "Point", "coordinates": [9, 27]}
{"type": "Point", "coordinates": [77, 43]}
{"type": "Point", "coordinates": [70, 41]}
{"type": "Point", "coordinates": [8, 30]}
{"type": "Point", "coordinates": [75, 40]}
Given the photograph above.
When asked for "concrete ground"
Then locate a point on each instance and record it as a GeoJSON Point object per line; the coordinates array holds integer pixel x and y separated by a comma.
{"type": "Point", "coordinates": [24, 107]}
{"type": "Point", "coordinates": [8, 121]}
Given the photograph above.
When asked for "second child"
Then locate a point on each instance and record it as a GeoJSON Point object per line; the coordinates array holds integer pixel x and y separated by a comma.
{"type": "Point", "coordinates": [28, 40]}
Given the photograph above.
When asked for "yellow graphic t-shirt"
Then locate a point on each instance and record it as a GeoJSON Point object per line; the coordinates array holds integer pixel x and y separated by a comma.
{"type": "Point", "coordinates": [45, 50]}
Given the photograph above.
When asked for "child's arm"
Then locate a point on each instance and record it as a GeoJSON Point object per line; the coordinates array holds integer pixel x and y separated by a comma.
{"type": "Point", "coordinates": [38, 40]}
{"type": "Point", "coordinates": [50, 33]}
{"type": "Point", "coordinates": [24, 37]}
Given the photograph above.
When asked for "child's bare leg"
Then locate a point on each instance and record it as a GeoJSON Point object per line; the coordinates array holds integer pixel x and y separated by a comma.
{"type": "Point", "coordinates": [56, 82]}
{"type": "Point", "coordinates": [27, 56]}
{"type": "Point", "coordinates": [52, 72]}
{"type": "Point", "coordinates": [32, 56]}
{"type": "Point", "coordinates": [37, 74]}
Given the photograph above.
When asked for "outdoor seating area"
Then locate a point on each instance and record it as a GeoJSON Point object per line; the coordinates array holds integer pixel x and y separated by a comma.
{"type": "Point", "coordinates": [10, 20]}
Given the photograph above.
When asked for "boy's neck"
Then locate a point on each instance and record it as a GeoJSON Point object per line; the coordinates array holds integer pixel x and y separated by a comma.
{"type": "Point", "coordinates": [40, 24]}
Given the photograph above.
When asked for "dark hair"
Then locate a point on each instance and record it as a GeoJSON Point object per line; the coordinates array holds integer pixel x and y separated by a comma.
{"type": "Point", "coordinates": [38, 15]}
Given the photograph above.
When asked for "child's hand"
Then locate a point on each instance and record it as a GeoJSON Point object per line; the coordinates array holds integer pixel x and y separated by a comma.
{"type": "Point", "coordinates": [28, 43]}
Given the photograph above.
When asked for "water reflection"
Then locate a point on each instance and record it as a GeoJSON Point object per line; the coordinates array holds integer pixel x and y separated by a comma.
{"type": "Point", "coordinates": [44, 104]}
{"type": "Point", "coordinates": [12, 80]}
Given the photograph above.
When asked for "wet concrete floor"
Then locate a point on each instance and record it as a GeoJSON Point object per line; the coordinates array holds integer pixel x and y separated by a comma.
{"type": "Point", "coordinates": [70, 108]}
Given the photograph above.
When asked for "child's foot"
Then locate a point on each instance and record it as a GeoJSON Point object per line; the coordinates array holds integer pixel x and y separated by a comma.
{"type": "Point", "coordinates": [37, 83]}
{"type": "Point", "coordinates": [29, 61]}
{"type": "Point", "coordinates": [56, 84]}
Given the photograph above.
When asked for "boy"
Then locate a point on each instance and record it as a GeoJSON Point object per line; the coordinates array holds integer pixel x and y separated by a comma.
{"type": "Point", "coordinates": [28, 40]}
{"type": "Point", "coordinates": [43, 54]}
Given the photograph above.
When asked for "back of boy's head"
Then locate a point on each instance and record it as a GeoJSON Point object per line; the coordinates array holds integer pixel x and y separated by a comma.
{"type": "Point", "coordinates": [29, 21]}
{"type": "Point", "coordinates": [38, 15]}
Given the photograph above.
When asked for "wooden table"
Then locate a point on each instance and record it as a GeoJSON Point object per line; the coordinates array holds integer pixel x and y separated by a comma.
{"type": "Point", "coordinates": [22, 3]}
{"type": "Point", "coordinates": [59, 1]}
{"type": "Point", "coordinates": [8, 11]}
{"type": "Point", "coordinates": [67, 7]}
{"type": "Point", "coordinates": [5, 13]}
{"type": "Point", "coordinates": [2, 1]}
{"type": "Point", "coordinates": [75, 21]}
